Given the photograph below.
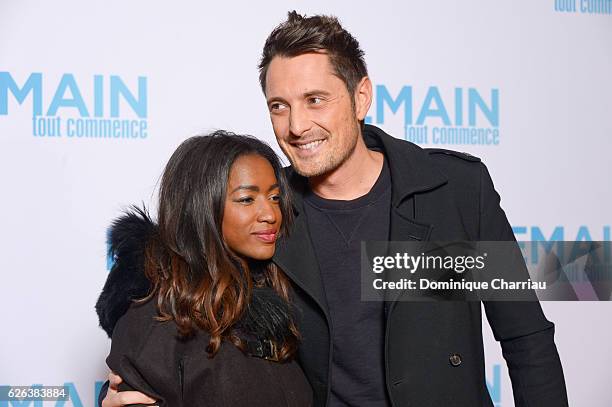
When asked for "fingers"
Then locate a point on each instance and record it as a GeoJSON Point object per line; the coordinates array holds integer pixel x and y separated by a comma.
{"type": "Point", "coordinates": [130, 397]}
{"type": "Point", "coordinates": [114, 380]}
{"type": "Point", "coordinates": [116, 398]}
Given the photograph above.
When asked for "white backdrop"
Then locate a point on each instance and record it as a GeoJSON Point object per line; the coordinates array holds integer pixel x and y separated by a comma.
{"type": "Point", "coordinates": [537, 76]}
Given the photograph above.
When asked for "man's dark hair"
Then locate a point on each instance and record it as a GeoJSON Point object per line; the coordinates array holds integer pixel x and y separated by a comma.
{"type": "Point", "coordinates": [300, 35]}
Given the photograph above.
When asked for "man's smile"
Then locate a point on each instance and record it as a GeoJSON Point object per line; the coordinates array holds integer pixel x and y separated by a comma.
{"type": "Point", "coordinates": [309, 148]}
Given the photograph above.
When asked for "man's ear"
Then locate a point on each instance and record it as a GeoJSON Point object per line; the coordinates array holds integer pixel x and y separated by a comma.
{"type": "Point", "coordinates": [363, 97]}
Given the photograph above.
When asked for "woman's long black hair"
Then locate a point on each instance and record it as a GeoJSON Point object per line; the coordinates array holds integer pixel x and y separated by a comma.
{"type": "Point", "coordinates": [196, 277]}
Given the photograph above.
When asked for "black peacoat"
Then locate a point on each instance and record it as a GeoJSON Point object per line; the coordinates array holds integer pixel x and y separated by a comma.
{"type": "Point", "coordinates": [433, 351]}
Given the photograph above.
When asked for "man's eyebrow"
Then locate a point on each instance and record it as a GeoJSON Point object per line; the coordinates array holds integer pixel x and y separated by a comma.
{"type": "Point", "coordinates": [253, 188]}
{"type": "Point", "coordinates": [310, 93]}
{"type": "Point", "coordinates": [316, 92]}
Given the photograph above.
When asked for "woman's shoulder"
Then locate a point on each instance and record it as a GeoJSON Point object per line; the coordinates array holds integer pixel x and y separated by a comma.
{"type": "Point", "coordinates": [140, 317]}
{"type": "Point", "coordinates": [140, 327]}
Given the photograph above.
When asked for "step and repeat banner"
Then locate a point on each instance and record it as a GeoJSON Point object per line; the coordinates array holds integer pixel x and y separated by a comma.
{"type": "Point", "coordinates": [96, 95]}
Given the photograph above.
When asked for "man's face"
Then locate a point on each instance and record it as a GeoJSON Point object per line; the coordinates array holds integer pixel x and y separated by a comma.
{"type": "Point", "coordinates": [311, 111]}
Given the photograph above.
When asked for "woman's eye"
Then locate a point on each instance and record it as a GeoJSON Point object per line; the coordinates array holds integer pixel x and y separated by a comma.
{"type": "Point", "coordinates": [275, 198]}
{"type": "Point", "coordinates": [246, 199]}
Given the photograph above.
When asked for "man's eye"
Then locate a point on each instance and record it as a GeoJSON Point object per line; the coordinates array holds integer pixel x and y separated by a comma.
{"type": "Point", "coordinates": [276, 106]}
{"type": "Point", "coordinates": [315, 100]}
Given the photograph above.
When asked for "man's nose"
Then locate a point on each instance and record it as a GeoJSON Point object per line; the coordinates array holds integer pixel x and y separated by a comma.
{"type": "Point", "coordinates": [299, 121]}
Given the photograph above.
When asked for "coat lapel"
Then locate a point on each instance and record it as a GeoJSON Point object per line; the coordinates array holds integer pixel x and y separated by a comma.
{"type": "Point", "coordinates": [295, 254]}
{"type": "Point", "coordinates": [412, 172]}
{"type": "Point", "coordinates": [404, 228]}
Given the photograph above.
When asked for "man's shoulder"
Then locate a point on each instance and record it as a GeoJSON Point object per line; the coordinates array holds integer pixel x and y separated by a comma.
{"type": "Point", "coordinates": [462, 172]}
{"type": "Point", "coordinates": [410, 154]}
{"type": "Point", "coordinates": [443, 154]}
{"type": "Point", "coordinates": [456, 165]}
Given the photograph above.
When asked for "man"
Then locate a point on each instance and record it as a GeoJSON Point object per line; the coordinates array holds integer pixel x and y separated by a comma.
{"type": "Point", "coordinates": [352, 182]}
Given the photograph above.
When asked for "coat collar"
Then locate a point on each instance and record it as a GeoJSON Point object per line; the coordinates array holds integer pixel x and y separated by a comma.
{"type": "Point", "coordinates": [412, 172]}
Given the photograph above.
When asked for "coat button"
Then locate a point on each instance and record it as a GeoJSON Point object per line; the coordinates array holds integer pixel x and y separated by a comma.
{"type": "Point", "coordinates": [455, 359]}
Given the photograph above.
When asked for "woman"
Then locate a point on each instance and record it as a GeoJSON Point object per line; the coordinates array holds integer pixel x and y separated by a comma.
{"type": "Point", "coordinates": [216, 328]}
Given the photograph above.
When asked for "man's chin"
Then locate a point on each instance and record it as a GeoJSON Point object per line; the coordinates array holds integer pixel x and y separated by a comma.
{"type": "Point", "coordinates": [309, 171]}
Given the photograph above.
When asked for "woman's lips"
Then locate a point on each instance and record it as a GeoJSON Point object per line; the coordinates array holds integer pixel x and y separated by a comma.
{"type": "Point", "coordinates": [267, 236]}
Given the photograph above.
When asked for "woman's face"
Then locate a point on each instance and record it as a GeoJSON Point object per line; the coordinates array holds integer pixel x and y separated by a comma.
{"type": "Point", "coordinates": [252, 217]}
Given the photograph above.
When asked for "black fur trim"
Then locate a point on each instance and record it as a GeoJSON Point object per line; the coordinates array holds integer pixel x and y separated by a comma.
{"type": "Point", "coordinates": [267, 316]}
{"type": "Point", "coordinates": [126, 281]}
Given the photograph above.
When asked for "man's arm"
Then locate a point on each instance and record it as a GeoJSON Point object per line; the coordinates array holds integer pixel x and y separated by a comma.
{"type": "Point", "coordinates": [102, 393]}
{"type": "Point", "coordinates": [525, 335]}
